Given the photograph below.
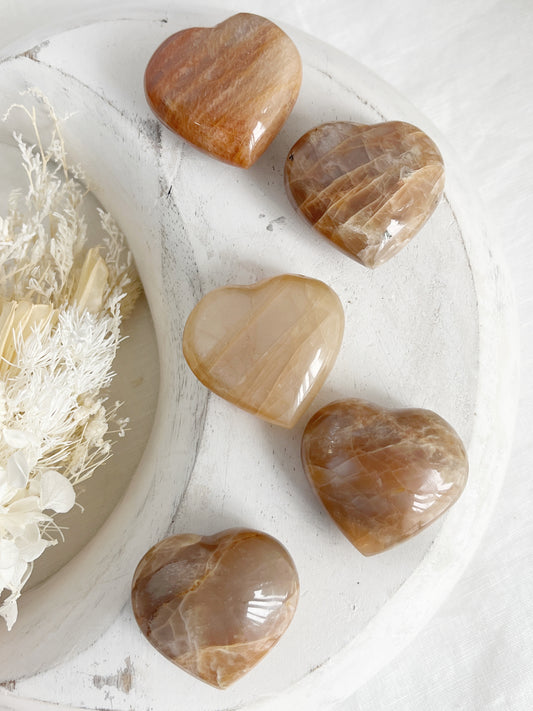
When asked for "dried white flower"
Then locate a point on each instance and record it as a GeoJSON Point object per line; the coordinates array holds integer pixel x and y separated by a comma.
{"type": "Point", "coordinates": [61, 307]}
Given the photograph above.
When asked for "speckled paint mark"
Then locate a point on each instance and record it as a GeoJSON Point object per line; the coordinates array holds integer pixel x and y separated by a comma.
{"type": "Point", "coordinates": [122, 680]}
{"type": "Point", "coordinates": [278, 221]}
{"type": "Point", "coordinates": [9, 685]}
{"type": "Point", "coordinates": [33, 52]}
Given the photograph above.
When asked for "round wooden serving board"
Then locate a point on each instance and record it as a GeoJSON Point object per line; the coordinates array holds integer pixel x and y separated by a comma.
{"type": "Point", "coordinates": [432, 328]}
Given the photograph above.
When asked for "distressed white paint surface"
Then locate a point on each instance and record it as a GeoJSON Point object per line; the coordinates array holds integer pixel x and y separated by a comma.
{"type": "Point", "coordinates": [432, 328]}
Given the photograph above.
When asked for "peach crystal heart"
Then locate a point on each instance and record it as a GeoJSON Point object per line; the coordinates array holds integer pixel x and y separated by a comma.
{"type": "Point", "coordinates": [368, 189]}
{"type": "Point", "coordinates": [227, 89]}
{"type": "Point", "coordinates": [268, 347]}
{"type": "Point", "coordinates": [383, 475]}
{"type": "Point", "coordinates": [215, 605]}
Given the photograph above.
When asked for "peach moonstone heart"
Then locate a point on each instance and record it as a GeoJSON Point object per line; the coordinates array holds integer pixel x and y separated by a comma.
{"type": "Point", "coordinates": [368, 189]}
{"type": "Point", "coordinates": [267, 347]}
{"type": "Point", "coordinates": [383, 475]}
{"type": "Point", "coordinates": [227, 89]}
{"type": "Point", "coordinates": [215, 605]}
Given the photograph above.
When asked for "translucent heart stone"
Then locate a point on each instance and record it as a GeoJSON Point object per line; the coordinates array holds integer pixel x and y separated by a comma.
{"type": "Point", "coordinates": [383, 475]}
{"type": "Point", "coordinates": [227, 89]}
{"type": "Point", "coordinates": [368, 189]}
{"type": "Point", "coordinates": [215, 605]}
{"type": "Point", "coordinates": [267, 347]}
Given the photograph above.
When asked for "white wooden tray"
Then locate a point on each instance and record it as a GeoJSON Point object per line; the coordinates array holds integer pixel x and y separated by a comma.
{"type": "Point", "coordinates": [432, 328]}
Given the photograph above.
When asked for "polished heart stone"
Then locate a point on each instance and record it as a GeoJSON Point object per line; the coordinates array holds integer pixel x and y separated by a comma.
{"type": "Point", "coordinates": [267, 347]}
{"type": "Point", "coordinates": [215, 605]}
{"type": "Point", "coordinates": [368, 189]}
{"type": "Point", "coordinates": [383, 475]}
{"type": "Point", "coordinates": [226, 89]}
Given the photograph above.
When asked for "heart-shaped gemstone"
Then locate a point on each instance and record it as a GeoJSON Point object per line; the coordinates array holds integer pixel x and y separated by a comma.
{"type": "Point", "coordinates": [368, 189]}
{"type": "Point", "coordinates": [227, 89]}
{"type": "Point", "coordinates": [383, 475]}
{"type": "Point", "coordinates": [215, 605]}
{"type": "Point", "coordinates": [267, 347]}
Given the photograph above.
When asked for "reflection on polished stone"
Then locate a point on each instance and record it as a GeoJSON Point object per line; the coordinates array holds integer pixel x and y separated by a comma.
{"type": "Point", "coordinates": [227, 89]}
{"type": "Point", "coordinates": [215, 605]}
{"type": "Point", "coordinates": [369, 189]}
{"type": "Point", "coordinates": [383, 475]}
{"type": "Point", "coordinates": [268, 347]}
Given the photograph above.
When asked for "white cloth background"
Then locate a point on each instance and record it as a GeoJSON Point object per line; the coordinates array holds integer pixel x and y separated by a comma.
{"type": "Point", "coordinates": [468, 65]}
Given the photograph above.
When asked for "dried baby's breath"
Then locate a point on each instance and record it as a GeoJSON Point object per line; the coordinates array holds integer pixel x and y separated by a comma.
{"type": "Point", "coordinates": [61, 308]}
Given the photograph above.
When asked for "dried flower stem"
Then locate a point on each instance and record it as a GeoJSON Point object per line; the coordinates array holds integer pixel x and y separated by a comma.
{"type": "Point", "coordinates": [61, 307]}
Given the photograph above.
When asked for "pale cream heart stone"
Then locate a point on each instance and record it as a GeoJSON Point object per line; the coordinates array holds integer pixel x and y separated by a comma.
{"type": "Point", "coordinates": [215, 605]}
{"type": "Point", "coordinates": [268, 347]}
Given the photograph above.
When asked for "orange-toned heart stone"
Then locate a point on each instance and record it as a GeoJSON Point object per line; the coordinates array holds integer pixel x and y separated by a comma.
{"type": "Point", "coordinates": [215, 605]}
{"type": "Point", "coordinates": [383, 475]}
{"type": "Point", "coordinates": [369, 189]}
{"type": "Point", "coordinates": [227, 89]}
{"type": "Point", "coordinates": [267, 347]}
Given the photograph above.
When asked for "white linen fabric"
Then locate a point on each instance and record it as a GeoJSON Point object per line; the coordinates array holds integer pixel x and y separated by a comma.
{"type": "Point", "coordinates": [468, 65]}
